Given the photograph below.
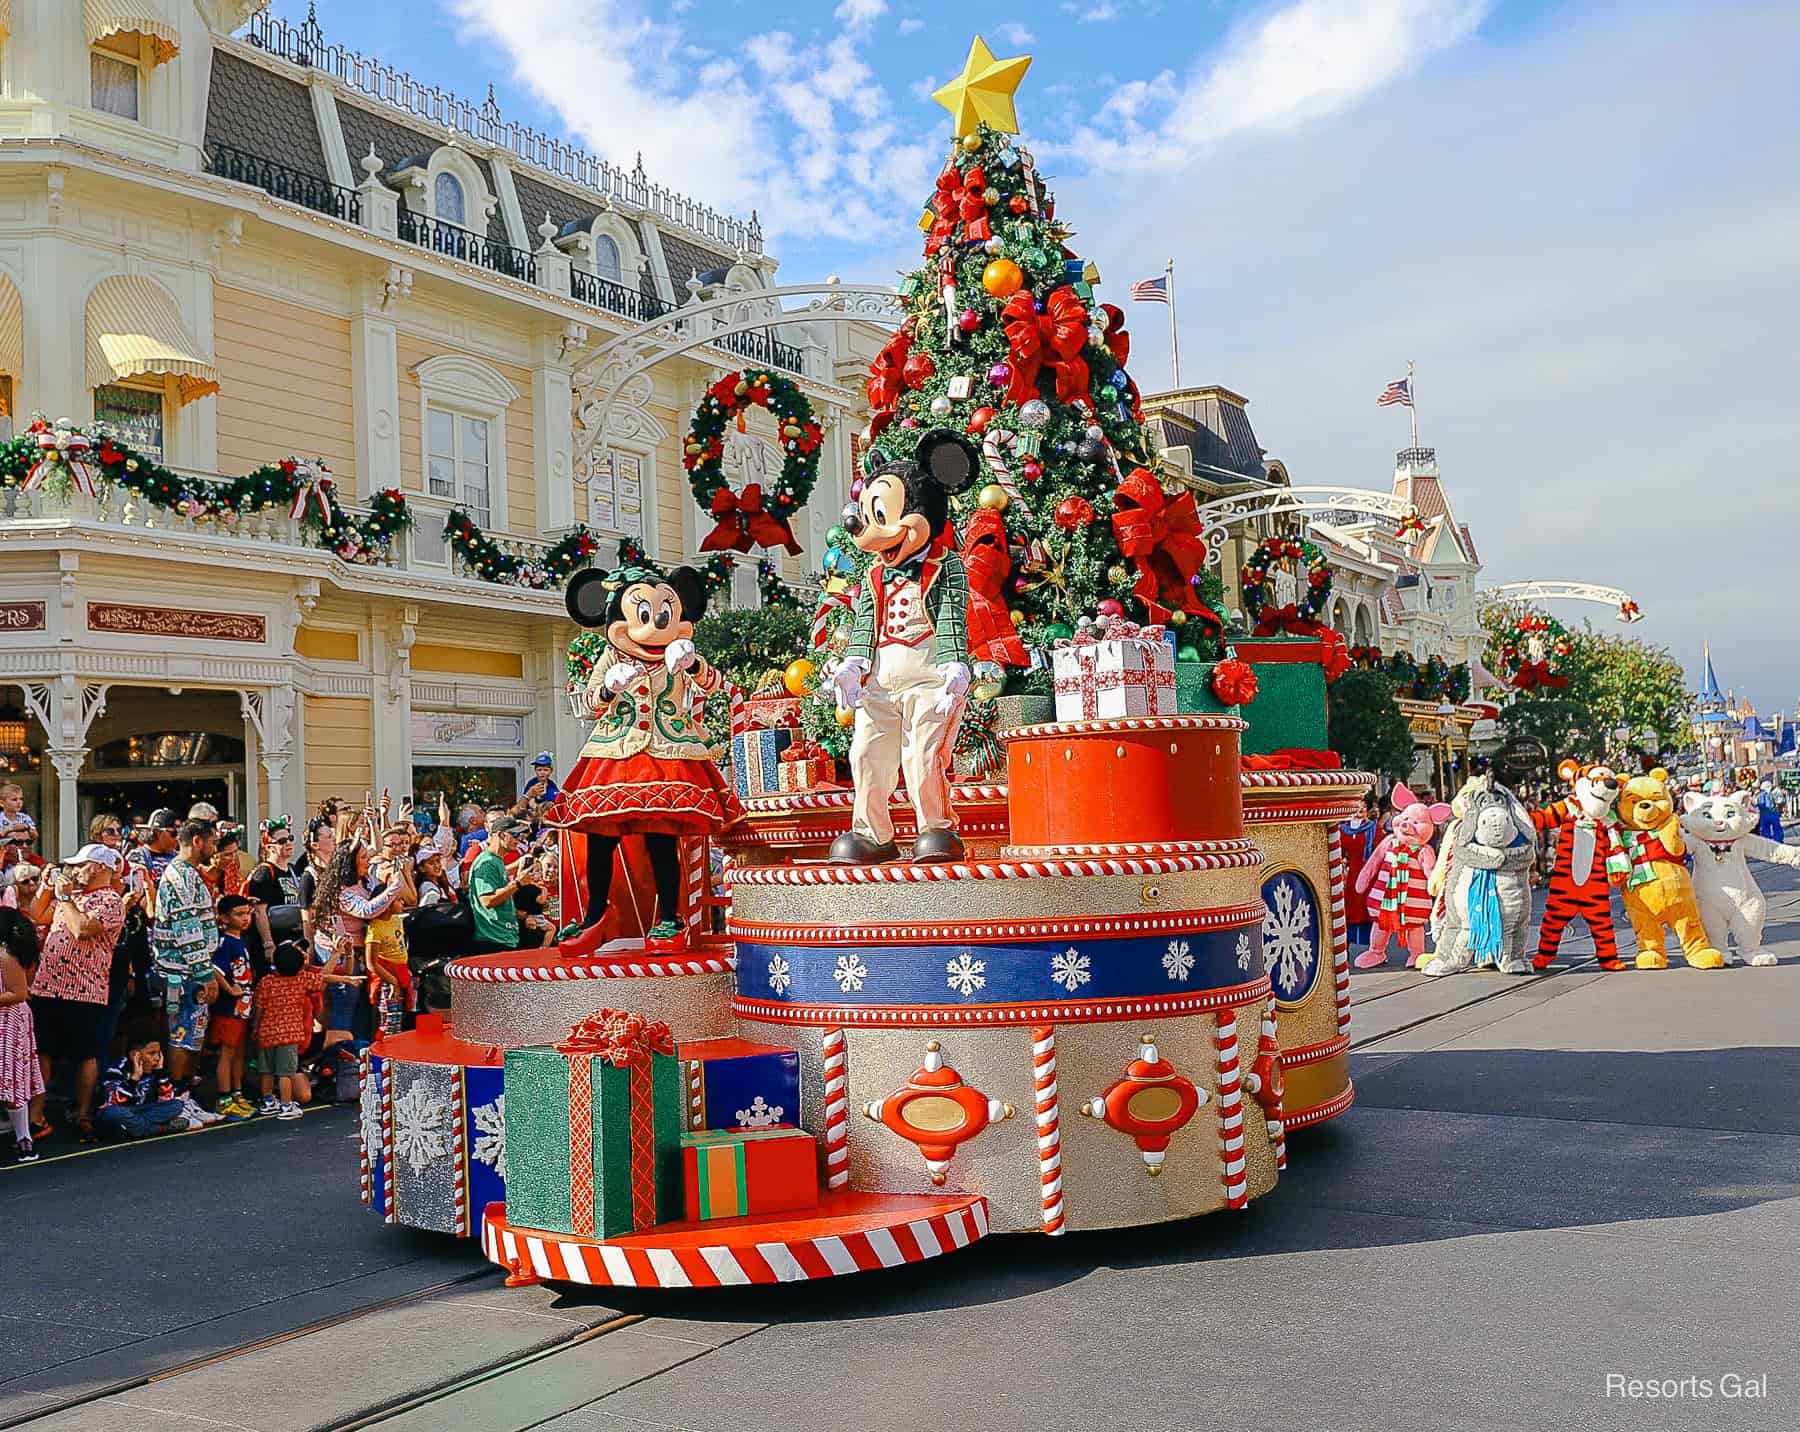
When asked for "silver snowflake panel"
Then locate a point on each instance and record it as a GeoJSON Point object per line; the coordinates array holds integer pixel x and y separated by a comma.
{"type": "Point", "coordinates": [425, 1140]}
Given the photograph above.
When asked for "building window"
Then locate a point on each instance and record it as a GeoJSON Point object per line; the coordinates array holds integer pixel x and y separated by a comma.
{"type": "Point", "coordinates": [136, 414]}
{"type": "Point", "coordinates": [113, 84]}
{"type": "Point", "coordinates": [447, 200]}
{"type": "Point", "coordinates": [457, 462]}
{"type": "Point", "coordinates": [606, 258]}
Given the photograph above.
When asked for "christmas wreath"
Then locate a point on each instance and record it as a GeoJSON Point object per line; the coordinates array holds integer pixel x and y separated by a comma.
{"type": "Point", "coordinates": [1532, 651]}
{"type": "Point", "coordinates": [1302, 617]}
{"type": "Point", "coordinates": [752, 518]}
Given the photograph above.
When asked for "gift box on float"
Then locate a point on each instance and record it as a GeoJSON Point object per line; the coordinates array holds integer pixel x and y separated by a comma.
{"type": "Point", "coordinates": [1289, 710]}
{"type": "Point", "coordinates": [1113, 668]}
{"type": "Point", "coordinates": [1011, 711]}
{"type": "Point", "coordinates": [762, 727]}
{"type": "Point", "coordinates": [767, 713]}
{"type": "Point", "coordinates": [737, 1084]}
{"type": "Point", "coordinates": [593, 1129]}
{"type": "Point", "coordinates": [728, 1173]}
{"type": "Point", "coordinates": [805, 766]}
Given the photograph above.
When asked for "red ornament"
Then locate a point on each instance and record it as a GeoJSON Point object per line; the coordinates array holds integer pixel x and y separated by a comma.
{"type": "Point", "coordinates": [968, 320]}
{"type": "Point", "coordinates": [918, 370]}
{"type": "Point", "coordinates": [1074, 513]}
{"type": "Point", "coordinates": [1031, 470]}
{"type": "Point", "coordinates": [1017, 204]}
{"type": "Point", "coordinates": [979, 419]}
{"type": "Point", "coordinates": [1109, 607]}
{"type": "Point", "coordinates": [937, 1111]}
{"type": "Point", "coordinates": [1150, 1103]}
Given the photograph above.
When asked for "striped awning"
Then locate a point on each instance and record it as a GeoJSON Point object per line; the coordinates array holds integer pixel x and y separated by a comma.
{"type": "Point", "coordinates": [127, 17]}
{"type": "Point", "coordinates": [12, 336]}
{"type": "Point", "coordinates": [134, 327]}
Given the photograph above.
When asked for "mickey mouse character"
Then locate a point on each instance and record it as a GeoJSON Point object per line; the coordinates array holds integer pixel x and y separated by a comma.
{"type": "Point", "coordinates": [908, 664]}
{"type": "Point", "coordinates": [646, 769]}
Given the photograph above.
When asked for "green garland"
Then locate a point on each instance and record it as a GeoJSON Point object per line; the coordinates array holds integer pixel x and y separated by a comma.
{"type": "Point", "coordinates": [801, 439]}
{"type": "Point", "coordinates": [273, 485]}
{"type": "Point", "coordinates": [772, 590]}
{"type": "Point", "coordinates": [1256, 575]}
{"type": "Point", "coordinates": [492, 563]}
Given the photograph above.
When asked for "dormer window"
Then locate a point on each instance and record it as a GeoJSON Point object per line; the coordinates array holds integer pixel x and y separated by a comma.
{"type": "Point", "coordinates": [447, 200]}
{"type": "Point", "coordinates": [606, 258]}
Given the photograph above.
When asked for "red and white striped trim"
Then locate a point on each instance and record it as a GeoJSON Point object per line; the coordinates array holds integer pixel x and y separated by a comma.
{"type": "Point", "coordinates": [388, 1211]}
{"type": "Point", "coordinates": [1049, 1125]}
{"type": "Point", "coordinates": [1231, 1114]}
{"type": "Point", "coordinates": [976, 932]}
{"type": "Point", "coordinates": [471, 969]}
{"type": "Point", "coordinates": [365, 1182]}
{"type": "Point", "coordinates": [1126, 723]}
{"type": "Point", "coordinates": [1143, 847]}
{"type": "Point", "coordinates": [1279, 779]}
{"type": "Point", "coordinates": [913, 1016]}
{"type": "Point", "coordinates": [960, 794]}
{"type": "Point", "coordinates": [459, 1149]}
{"type": "Point", "coordinates": [899, 874]}
{"type": "Point", "coordinates": [1256, 813]}
{"type": "Point", "coordinates": [969, 827]}
{"type": "Point", "coordinates": [1340, 930]}
{"type": "Point", "coordinates": [696, 1093]}
{"type": "Point", "coordinates": [1330, 1109]}
{"type": "Point", "coordinates": [1273, 1117]}
{"type": "Point", "coordinates": [1314, 1053]}
{"type": "Point", "coordinates": [693, 885]}
{"type": "Point", "coordinates": [640, 1262]}
{"type": "Point", "coordinates": [837, 1110]}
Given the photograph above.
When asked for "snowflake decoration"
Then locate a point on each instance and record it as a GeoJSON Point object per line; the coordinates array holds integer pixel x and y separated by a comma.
{"type": "Point", "coordinates": [1178, 963]}
{"type": "Point", "coordinates": [1070, 969]}
{"type": "Point", "coordinates": [421, 1128]}
{"type": "Point", "coordinates": [490, 1134]}
{"type": "Point", "coordinates": [760, 1114]}
{"type": "Point", "coordinates": [780, 975]}
{"type": "Point", "coordinates": [966, 975]}
{"type": "Point", "coordinates": [1287, 932]}
{"type": "Point", "coordinates": [1243, 951]}
{"type": "Point", "coordinates": [371, 1115]}
{"type": "Point", "coordinates": [850, 972]}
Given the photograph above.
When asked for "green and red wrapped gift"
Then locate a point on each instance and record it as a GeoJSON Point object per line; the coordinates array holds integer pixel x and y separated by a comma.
{"type": "Point", "coordinates": [593, 1129]}
{"type": "Point", "coordinates": [728, 1173]}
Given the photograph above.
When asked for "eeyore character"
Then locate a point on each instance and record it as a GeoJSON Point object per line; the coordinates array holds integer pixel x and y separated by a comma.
{"type": "Point", "coordinates": [1488, 909]}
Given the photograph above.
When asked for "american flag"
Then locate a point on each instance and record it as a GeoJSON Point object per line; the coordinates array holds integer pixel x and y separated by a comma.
{"type": "Point", "coordinates": [1151, 290]}
{"type": "Point", "coordinates": [1399, 391]}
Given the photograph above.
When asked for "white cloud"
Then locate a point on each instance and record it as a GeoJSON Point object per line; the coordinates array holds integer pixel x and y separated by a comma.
{"type": "Point", "coordinates": [860, 14]}
{"type": "Point", "coordinates": [1013, 33]}
{"type": "Point", "coordinates": [1098, 12]}
{"type": "Point", "coordinates": [772, 52]}
{"type": "Point", "coordinates": [911, 25]}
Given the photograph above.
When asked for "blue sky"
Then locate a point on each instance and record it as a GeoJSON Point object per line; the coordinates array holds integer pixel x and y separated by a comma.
{"type": "Point", "coordinates": [1580, 219]}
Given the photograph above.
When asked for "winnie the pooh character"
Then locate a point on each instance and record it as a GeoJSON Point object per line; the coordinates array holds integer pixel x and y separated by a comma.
{"type": "Point", "coordinates": [1658, 893]}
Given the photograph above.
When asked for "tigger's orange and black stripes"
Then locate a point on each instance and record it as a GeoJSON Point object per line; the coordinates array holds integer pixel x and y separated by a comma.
{"type": "Point", "coordinates": [1587, 853]}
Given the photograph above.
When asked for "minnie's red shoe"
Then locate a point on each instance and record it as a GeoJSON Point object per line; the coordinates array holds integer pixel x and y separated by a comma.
{"type": "Point", "coordinates": [668, 938]}
{"type": "Point", "coordinates": [581, 944]}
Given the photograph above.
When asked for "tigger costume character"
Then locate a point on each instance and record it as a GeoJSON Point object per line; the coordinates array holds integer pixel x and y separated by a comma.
{"type": "Point", "coordinates": [1589, 861]}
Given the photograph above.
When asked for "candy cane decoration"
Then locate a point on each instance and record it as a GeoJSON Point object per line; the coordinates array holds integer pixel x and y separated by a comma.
{"type": "Point", "coordinates": [1340, 931]}
{"type": "Point", "coordinates": [1231, 1112]}
{"type": "Point", "coordinates": [1043, 1066]}
{"type": "Point", "coordinates": [459, 1148]}
{"type": "Point", "coordinates": [365, 1184]}
{"type": "Point", "coordinates": [694, 873]}
{"type": "Point", "coordinates": [696, 1081]}
{"type": "Point", "coordinates": [837, 1111]}
{"type": "Point", "coordinates": [387, 1144]}
{"type": "Point", "coordinates": [997, 446]}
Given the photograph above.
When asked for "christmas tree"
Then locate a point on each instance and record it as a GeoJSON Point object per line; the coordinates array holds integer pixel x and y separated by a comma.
{"type": "Point", "coordinates": [1005, 338]}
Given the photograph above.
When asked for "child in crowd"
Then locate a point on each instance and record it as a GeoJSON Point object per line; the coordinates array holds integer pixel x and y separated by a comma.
{"type": "Point", "coordinates": [137, 1099]}
{"type": "Point", "coordinates": [231, 1012]}
{"type": "Point", "coordinates": [284, 1019]}
{"type": "Point", "coordinates": [21, 1079]}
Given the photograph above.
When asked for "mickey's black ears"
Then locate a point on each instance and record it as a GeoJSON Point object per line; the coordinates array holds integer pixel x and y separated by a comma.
{"type": "Point", "coordinates": [586, 596]}
{"type": "Point", "coordinates": [948, 459]}
{"type": "Point", "coordinates": [690, 587]}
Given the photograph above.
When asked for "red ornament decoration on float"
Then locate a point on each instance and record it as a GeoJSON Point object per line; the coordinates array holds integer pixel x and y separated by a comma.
{"type": "Point", "coordinates": [918, 370]}
{"type": "Point", "coordinates": [937, 1111]}
{"type": "Point", "coordinates": [754, 518]}
{"type": "Point", "coordinates": [1150, 1103]}
{"type": "Point", "coordinates": [1234, 682]}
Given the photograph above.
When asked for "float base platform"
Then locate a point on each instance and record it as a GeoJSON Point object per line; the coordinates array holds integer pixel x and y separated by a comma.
{"type": "Point", "coordinates": [846, 1233]}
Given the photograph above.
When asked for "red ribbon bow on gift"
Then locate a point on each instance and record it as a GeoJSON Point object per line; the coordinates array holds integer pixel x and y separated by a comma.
{"type": "Point", "coordinates": [1113, 628]}
{"type": "Point", "coordinates": [1161, 536]}
{"type": "Point", "coordinates": [804, 751]}
{"type": "Point", "coordinates": [992, 636]}
{"type": "Point", "coordinates": [1053, 338]}
{"type": "Point", "coordinates": [972, 203]}
{"type": "Point", "coordinates": [1277, 621]}
{"type": "Point", "coordinates": [618, 1037]}
{"type": "Point", "coordinates": [743, 523]}
{"type": "Point", "coordinates": [887, 380]}
{"type": "Point", "coordinates": [1234, 682]}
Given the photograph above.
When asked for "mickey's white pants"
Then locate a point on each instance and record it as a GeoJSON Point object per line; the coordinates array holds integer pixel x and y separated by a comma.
{"type": "Point", "coordinates": [898, 729]}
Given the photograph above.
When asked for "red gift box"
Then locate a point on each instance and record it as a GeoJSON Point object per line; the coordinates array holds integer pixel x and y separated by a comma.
{"type": "Point", "coordinates": [728, 1173]}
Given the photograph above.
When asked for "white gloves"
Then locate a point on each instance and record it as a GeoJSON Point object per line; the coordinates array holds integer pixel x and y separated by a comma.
{"type": "Point", "coordinates": [847, 681]}
{"type": "Point", "coordinates": [956, 681]}
{"type": "Point", "coordinates": [679, 655]}
{"type": "Point", "coordinates": [619, 676]}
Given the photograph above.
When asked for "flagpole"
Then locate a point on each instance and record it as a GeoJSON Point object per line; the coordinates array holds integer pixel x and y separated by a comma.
{"type": "Point", "coordinates": [1174, 342]}
{"type": "Point", "coordinates": [1412, 390]}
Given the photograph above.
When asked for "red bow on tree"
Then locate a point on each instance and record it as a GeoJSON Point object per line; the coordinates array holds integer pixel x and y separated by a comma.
{"type": "Point", "coordinates": [887, 378]}
{"type": "Point", "coordinates": [744, 524]}
{"type": "Point", "coordinates": [973, 204]}
{"type": "Point", "coordinates": [946, 204]}
{"type": "Point", "coordinates": [990, 627]}
{"type": "Point", "coordinates": [1118, 341]}
{"type": "Point", "coordinates": [1054, 337]}
{"type": "Point", "coordinates": [1161, 535]}
{"type": "Point", "coordinates": [618, 1037]}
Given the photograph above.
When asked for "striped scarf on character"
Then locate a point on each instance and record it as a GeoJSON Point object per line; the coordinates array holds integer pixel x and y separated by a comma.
{"type": "Point", "coordinates": [1399, 876]}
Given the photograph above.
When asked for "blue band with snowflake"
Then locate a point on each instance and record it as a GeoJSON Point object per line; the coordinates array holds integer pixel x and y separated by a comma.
{"type": "Point", "coordinates": [956, 974]}
{"type": "Point", "coordinates": [1293, 936]}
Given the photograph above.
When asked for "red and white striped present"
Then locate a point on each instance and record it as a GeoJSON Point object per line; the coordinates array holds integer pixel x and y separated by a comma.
{"type": "Point", "coordinates": [1114, 675]}
{"type": "Point", "coordinates": [763, 713]}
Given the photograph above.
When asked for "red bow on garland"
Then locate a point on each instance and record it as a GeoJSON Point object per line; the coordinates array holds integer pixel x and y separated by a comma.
{"type": "Point", "coordinates": [992, 636]}
{"type": "Point", "coordinates": [1054, 337]}
{"type": "Point", "coordinates": [887, 379]}
{"type": "Point", "coordinates": [743, 523]}
{"type": "Point", "coordinates": [946, 204]}
{"type": "Point", "coordinates": [1161, 535]}
{"type": "Point", "coordinates": [1118, 341]}
{"type": "Point", "coordinates": [618, 1037]}
{"type": "Point", "coordinates": [973, 204]}
{"type": "Point", "coordinates": [1533, 674]}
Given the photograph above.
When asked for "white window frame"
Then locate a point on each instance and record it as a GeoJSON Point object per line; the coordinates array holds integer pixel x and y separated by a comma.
{"type": "Point", "coordinates": [136, 65]}
{"type": "Point", "coordinates": [464, 387]}
{"type": "Point", "coordinates": [478, 203]}
{"type": "Point", "coordinates": [631, 252]}
{"type": "Point", "coordinates": [645, 455]}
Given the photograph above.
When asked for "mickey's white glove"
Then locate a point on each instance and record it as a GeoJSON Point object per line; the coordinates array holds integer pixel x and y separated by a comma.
{"type": "Point", "coordinates": [680, 655]}
{"type": "Point", "coordinates": [619, 676]}
{"type": "Point", "coordinates": [847, 681]}
{"type": "Point", "coordinates": [956, 681]}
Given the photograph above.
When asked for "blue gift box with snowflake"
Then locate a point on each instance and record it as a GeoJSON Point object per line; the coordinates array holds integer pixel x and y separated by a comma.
{"type": "Point", "coordinates": [737, 1084]}
{"type": "Point", "coordinates": [1292, 936]}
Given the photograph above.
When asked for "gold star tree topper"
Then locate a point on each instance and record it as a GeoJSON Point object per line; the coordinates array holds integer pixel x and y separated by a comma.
{"type": "Point", "coordinates": [984, 91]}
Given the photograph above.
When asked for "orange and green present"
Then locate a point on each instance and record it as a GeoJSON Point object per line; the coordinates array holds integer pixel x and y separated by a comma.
{"type": "Point", "coordinates": [728, 1173]}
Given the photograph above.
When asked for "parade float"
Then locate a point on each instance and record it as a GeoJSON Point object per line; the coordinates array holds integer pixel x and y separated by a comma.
{"type": "Point", "coordinates": [1093, 983]}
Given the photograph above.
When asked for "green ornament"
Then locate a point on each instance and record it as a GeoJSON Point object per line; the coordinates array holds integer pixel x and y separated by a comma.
{"type": "Point", "coordinates": [1187, 653]}
{"type": "Point", "coordinates": [1109, 394]}
{"type": "Point", "coordinates": [1059, 631]}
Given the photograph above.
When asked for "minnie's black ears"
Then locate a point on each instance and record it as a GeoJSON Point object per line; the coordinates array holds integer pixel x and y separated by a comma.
{"type": "Point", "coordinates": [586, 597]}
{"type": "Point", "coordinates": [690, 587]}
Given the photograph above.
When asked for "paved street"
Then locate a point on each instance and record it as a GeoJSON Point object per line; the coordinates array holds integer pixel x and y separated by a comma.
{"type": "Point", "coordinates": [1542, 1182]}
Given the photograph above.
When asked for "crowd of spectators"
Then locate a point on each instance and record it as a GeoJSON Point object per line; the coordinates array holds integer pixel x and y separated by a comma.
{"type": "Point", "coordinates": [160, 978]}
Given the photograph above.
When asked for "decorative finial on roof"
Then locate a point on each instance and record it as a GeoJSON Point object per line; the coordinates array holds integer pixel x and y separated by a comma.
{"type": "Point", "coordinates": [370, 162]}
{"type": "Point", "coordinates": [546, 230]}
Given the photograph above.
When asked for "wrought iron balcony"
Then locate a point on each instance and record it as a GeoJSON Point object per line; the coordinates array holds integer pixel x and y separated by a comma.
{"type": "Point", "coordinates": [761, 346]}
{"type": "Point", "coordinates": [282, 182]}
{"type": "Point", "coordinates": [615, 297]}
{"type": "Point", "coordinates": [1416, 457]}
{"type": "Point", "coordinates": [456, 242]}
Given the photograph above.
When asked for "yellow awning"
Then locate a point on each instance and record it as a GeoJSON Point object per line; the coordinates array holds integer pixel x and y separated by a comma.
{"type": "Point", "coordinates": [12, 335]}
{"type": "Point", "coordinates": [133, 327]}
{"type": "Point", "coordinates": [5, 19]}
{"type": "Point", "coordinates": [126, 17]}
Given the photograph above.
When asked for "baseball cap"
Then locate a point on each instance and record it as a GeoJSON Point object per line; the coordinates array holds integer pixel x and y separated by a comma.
{"type": "Point", "coordinates": [96, 855]}
{"type": "Point", "coordinates": [544, 758]}
{"type": "Point", "coordinates": [424, 853]}
{"type": "Point", "coordinates": [164, 819]}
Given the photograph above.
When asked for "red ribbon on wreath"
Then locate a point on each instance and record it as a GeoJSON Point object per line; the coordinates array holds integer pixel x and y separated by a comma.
{"type": "Point", "coordinates": [972, 203]}
{"type": "Point", "coordinates": [1535, 674]}
{"type": "Point", "coordinates": [1234, 682]}
{"type": "Point", "coordinates": [1287, 621]}
{"type": "Point", "coordinates": [1053, 338]}
{"type": "Point", "coordinates": [1161, 536]}
{"type": "Point", "coordinates": [991, 634]}
{"type": "Point", "coordinates": [744, 524]}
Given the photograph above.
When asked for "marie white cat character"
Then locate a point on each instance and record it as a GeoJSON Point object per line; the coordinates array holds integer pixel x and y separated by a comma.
{"type": "Point", "coordinates": [1720, 833]}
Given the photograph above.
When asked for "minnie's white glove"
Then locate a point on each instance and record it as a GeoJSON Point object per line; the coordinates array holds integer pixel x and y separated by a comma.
{"type": "Point", "coordinates": [680, 655]}
{"type": "Point", "coordinates": [956, 681]}
{"type": "Point", "coordinates": [619, 676]}
{"type": "Point", "coordinates": [847, 681]}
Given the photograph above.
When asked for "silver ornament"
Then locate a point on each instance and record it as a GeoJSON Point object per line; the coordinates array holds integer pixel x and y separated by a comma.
{"type": "Point", "coordinates": [1034, 413]}
{"type": "Point", "coordinates": [940, 406]}
{"type": "Point", "coordinates": [995, 246]}
{"type": "Point", "coordinates": [1095, 433]}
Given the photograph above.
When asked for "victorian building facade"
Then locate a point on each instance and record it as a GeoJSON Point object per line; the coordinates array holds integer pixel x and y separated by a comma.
{"type": "Point", "coordinates": [233, 243]}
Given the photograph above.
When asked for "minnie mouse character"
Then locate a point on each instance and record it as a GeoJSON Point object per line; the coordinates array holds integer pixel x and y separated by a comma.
{"type": "Point", "coordinates": [646, 769]}
{"type": "Point", "coordinates": [908, 665]}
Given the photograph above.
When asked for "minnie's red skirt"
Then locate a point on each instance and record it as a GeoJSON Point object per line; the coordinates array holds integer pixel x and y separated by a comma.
{"type": "Point", "coordinates": [643, 795]}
